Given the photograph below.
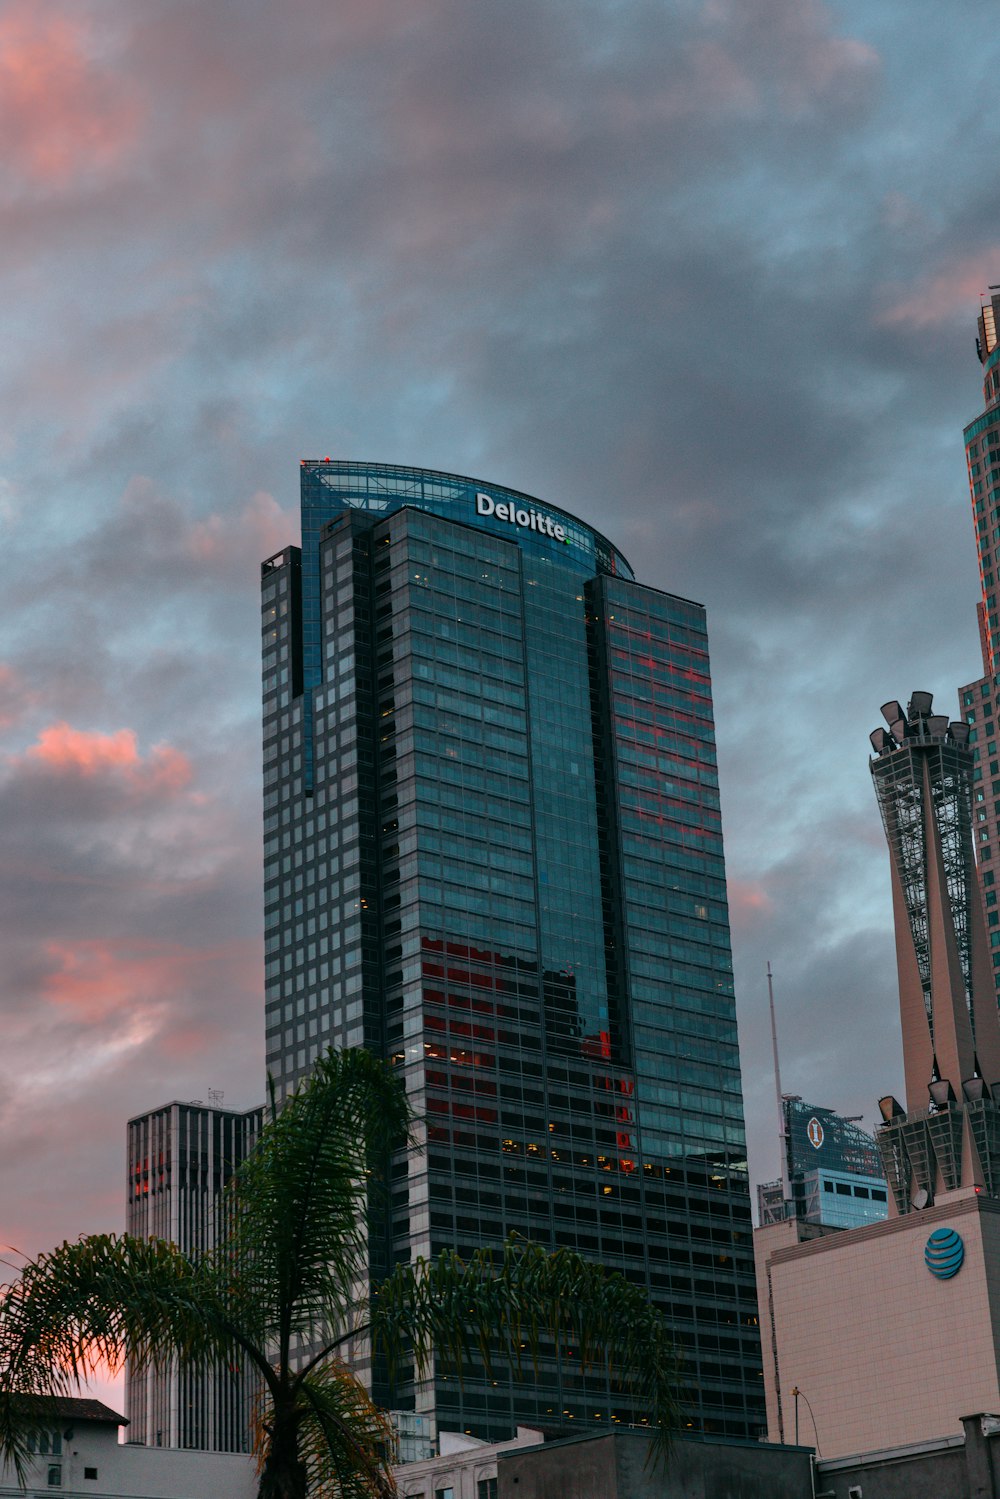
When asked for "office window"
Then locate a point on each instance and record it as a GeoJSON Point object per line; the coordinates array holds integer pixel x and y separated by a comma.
{"type": "Point", "coordinates": [486, 1488]}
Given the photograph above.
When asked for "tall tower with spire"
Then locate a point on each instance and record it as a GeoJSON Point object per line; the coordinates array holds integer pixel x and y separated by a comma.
{"type": "Point", "coordinates": [948, 1135]}
{"type": "Point", "coordinates": [978, 699]}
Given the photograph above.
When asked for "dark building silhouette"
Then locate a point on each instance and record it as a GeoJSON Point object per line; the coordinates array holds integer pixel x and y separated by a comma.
{"type": "Point", "coordinates": [180, 1158]}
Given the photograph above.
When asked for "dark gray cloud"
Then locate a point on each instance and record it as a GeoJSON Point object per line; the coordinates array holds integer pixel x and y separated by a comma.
{"type": "Point", "coordinates": [703, 273]}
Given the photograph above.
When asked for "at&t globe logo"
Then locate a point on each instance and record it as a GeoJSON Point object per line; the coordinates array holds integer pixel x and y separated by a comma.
{"type": "Point", "coordinates": [944, 1253]}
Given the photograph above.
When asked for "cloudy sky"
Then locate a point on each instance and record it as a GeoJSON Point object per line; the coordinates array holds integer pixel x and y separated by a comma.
{"type": "Point", "coordinates": [704, 272]}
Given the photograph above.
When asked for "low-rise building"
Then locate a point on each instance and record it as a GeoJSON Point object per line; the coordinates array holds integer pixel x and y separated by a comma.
{"type": "Point", "coordinates": [465, 1468]}
{"type": "Point", "coordinates": [619, 1465]}
{"type": "Point", "coordinates": [77, 1454]}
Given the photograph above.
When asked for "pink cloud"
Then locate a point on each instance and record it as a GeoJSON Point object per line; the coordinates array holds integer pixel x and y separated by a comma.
{"type": "Point", "coordinates": [945, 297]}
{"type": "Point", "coordinates": [67, 751]}
{"type": "Point", "coordinates": [747, 899]}
{"type": "Point", "coordinates": [261, 526]}
{"type": "Point", "coordinates": [96, 980]}
{"type": "Point", "coordinates": [771, 52]}
{"type": "Point", "coordinates": [60, 114]}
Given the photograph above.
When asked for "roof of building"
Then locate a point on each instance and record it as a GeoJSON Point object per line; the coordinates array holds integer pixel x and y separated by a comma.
{"type": "Point", "coordinates": [68, 1407]}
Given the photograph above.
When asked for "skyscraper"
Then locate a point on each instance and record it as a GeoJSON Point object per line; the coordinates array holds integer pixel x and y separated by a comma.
{"type": "Point", "coordinates": [493, 854]}
{"type": "Point", "coordinates": [978, 699]}
{"type": "Point", "coordinates": [180, 1158]}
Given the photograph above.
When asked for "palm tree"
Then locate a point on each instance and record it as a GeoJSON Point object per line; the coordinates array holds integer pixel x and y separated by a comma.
{"type": "Point", "coordinates": [284, 1296]}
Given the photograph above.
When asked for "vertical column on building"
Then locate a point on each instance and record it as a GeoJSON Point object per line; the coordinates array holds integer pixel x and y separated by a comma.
{"type": "Point", "coordinates": [281, 643]}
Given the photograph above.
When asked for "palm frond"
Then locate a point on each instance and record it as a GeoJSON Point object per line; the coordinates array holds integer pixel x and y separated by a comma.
{"type": "Point", "coordinates": [298, 1206]}
{"type": "Point", "coordinates": [346, 1441]}
{"type": "Point", "coordinates": [494, 1305]}
{"type": "Point", "coordinates": [285, 1292]}
{"type": "Point", "coordinates": [102, 1300]}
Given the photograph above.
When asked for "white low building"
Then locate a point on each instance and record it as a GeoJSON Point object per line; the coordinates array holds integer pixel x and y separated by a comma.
{"type": "Point", "coordinates": [77, 1454]}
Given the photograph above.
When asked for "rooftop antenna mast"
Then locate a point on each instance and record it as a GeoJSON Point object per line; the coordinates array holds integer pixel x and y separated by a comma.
{"type": "Point", "coordinates": [786, 1186]}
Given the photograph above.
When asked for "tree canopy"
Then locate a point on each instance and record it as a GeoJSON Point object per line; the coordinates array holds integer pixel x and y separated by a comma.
{"type": "Point", "coordinates": [285, 1297]}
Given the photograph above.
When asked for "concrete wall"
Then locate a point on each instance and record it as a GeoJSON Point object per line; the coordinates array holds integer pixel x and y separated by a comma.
{"type": "Point", "coordinates": [966, 1467]}
{"type": "Point", "coordinates": [938, 1475]}
{"type": "Point", "coordinates": [766, 1242]}
{"type": "Point", "coordinates": [583, 1469]}
{"type": "Point", "coordinates": [133, 1472]}
{"type": "Point", "coordinates": [884, 1354]}
{"type": "Point", "coordinates": [615, 1466]}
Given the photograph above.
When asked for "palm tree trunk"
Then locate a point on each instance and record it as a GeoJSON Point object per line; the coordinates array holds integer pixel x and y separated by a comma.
{"type": "Point", "coordinates": [284, 1474]}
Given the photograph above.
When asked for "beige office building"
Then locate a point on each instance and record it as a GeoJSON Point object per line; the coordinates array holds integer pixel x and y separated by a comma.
{"type": "Point", "coordinates": [883, 1353]}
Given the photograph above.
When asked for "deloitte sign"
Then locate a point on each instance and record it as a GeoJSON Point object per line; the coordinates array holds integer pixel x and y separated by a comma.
{"type": "Point", "coordinates": [528, 520]}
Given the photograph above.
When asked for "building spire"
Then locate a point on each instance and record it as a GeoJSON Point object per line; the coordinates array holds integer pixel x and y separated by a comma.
{"type": "Point", "coordinates": [786, 1184]}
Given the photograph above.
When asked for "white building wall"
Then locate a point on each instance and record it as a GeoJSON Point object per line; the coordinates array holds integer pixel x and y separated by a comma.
{"type": "Point", "coordinates": [131, 1472]}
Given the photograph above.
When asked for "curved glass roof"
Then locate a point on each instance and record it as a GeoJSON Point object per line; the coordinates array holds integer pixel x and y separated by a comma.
{"type": "Point", "coordinates": [384, 487]}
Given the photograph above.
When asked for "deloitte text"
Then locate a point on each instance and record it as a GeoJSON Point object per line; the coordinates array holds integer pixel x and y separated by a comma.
{"type": "Point", "coordinates": [529, 520]}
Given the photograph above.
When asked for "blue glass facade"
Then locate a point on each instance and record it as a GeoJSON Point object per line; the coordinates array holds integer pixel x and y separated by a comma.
{"type": "Point", "coordinates": [978, 699]}
{"type": "Point", "coordinates": [832, 1170]}
{"type": "Point", "coordinates": [493, 853]}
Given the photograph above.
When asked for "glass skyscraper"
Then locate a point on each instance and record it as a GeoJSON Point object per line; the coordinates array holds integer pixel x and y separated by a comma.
{"type": "Point", "coordinates": [493, 854]}
{"type": "Point", "coordinates": [978, 699]}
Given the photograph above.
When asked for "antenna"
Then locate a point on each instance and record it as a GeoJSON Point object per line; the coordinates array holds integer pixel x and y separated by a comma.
{"type": "Point", "coordinates": [786, 1186]}
{"type": "Point", "coordinates": [215, 1097]}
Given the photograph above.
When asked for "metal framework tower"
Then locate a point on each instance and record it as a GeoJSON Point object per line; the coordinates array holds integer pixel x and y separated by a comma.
{"type": "Point", "coordinates": [947, 1135]}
